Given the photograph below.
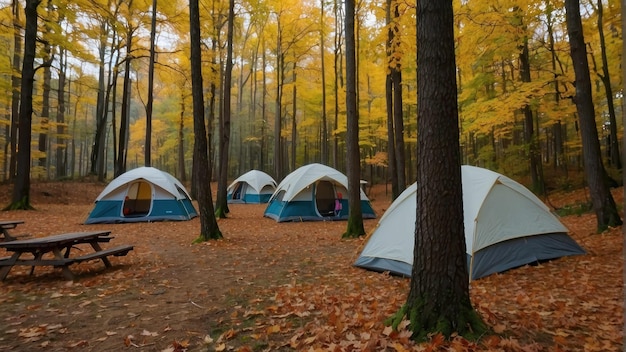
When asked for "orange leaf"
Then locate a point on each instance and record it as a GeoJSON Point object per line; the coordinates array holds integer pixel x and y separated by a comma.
{"type": "Point", "coordinates": [273, 329]}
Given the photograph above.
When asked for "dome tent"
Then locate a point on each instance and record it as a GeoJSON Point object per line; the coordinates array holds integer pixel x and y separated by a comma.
{"type": "Point", "coordinates": [140, 195]}
{"type": "Point", "coordinates": [314, 192]}
{"type": "Point", "coordinates": [252, 187]}
{"type": "Point", "coordinates": [506, 226]}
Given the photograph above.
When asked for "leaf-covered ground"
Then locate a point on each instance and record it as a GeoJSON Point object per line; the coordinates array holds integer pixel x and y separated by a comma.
{"type": "Point", "coordinates": [288, 286]}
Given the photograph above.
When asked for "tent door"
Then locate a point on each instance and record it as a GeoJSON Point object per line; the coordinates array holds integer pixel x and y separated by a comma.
{"type": "Point", "coordinates": [325, 198]}
{"type": "Point", "coordinates": [240, 191]}
{"type": "Point", "coordinates": [138, 200]}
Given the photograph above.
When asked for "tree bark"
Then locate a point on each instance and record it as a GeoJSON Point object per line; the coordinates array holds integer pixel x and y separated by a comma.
{"type": "Point", "coordinates": [597, 178]}
{"type": "Point", "coordinates": [439, 299]}
{"type": "Point", "coordinates": [353, 159]}
{"type": "Point", "coordinates": [181, 140]}
{"type": "Point", "coordinates": [61, 147]}
{"type": "Point", "coordinates": [278, 114]}
{"type": "Point", "coordinates": [222, 203]}
{"type": "Point", "coordinates": [120, 163]}
{"type": "Point", "coordinates": [614, 153]}
{"type": "Point", "coordinates": [148, 145]}
{"type": "Point", "coordinates": [97, 153]}
{"type": "Point", "coordinates": [391, 143]}
{"type": "Point", "coordinates": [530, 136]}
{"type": "Point", "coordinates": [398, 122]}
{"type": "Point", "coordinates": [15, 88]}
{"type": "Point", "coordinates": [201, 168]}
{"type": "Point", "coordinates": [324, 123]}
{"type": "Point", "coordinates": [21, 185]}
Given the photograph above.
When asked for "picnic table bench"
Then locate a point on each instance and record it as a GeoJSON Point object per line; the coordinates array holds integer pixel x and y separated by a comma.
{"type": "Point", "coordinates": [60, 247]}
{"type": "Point", "coordinates": [6, 225]}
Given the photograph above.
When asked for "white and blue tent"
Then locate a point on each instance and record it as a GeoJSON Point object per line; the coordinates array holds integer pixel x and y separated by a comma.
{"type": "Point", "coordinates": [253, 187]}
{"type": "Point", "coordinates": [314, 192]}
{"type": "Point", "coordinates": [506, 226]}
{"type": "Point", "coordinates": [142, 194]}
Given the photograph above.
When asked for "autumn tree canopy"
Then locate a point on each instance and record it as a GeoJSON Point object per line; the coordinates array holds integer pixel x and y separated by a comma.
{"type": "Point", "coordinates": [286, 112]}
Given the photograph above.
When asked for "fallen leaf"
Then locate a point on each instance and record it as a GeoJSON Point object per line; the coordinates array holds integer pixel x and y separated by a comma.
{"type": "Point", "coordinates": [148, 333]}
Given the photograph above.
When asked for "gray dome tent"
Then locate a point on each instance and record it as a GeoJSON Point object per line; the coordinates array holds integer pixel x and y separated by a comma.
{"type": "Point", "coordinates": [506, 226]}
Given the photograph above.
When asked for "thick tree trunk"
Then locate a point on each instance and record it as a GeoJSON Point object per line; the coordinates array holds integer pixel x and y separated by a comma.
{"type": "Point", "coordinates": [439, 298]}
{"type": "Point", "coordinates": [603, 202]}
{"type": "Point", "coordinates": [21, 185]}
{"type": "Point", "coordinates": [353, 165]}
{"type": "Point", "coordinates": [201, 168]}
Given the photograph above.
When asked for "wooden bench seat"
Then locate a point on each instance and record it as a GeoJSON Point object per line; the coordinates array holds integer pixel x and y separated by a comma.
{"type": "Point", "coordinates": [115, 251]}
{"type": "Point", "coordinates": [6, 261]}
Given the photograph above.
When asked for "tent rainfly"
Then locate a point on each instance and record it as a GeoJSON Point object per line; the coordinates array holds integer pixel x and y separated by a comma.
{"type": "Point", "coordinates": [142, 194]}
{"type": "Point", "coordinates": [252, 187]}
{"type": "Point", "coordinates": [506, 226]}
{"type": "Point", "coordinates": [314, 192]}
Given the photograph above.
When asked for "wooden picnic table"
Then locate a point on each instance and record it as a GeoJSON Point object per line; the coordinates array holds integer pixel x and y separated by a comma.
{"type": "Point", "coordinates": [6, 225]}
{"type": "Point", "coordinates": [59, 246]}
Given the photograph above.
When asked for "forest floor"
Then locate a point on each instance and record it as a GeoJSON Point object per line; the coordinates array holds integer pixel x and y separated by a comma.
{"type": "Point", "coordinates": [271, 286]}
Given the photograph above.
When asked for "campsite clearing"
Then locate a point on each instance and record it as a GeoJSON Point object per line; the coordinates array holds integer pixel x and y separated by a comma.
{"type": "Point", "coordinates": [272, 286]}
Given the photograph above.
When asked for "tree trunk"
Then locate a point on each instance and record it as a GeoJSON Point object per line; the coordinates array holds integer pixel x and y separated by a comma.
{"type": "Point", "coordinates": [44, 119]}
{"type": "Point", "coordinates": [15, 88]}
{"type": "Point", "coordinates": [181, 140]}
{"type": "Point", "coordinates": [294, 122]}
{"type": "Point", "coordinates": [324, 131]}
{"type": "Point", "coordinates": [396, 77]}
{"type": "Point", "coordinates": [559, 155]}
{"type": "Point", "coordinates": [97, 153]}
{"type": "Point", "coordinates": [222, 203]}
{"type": "Point", "coordinates": [338, 82]}
{"type": "Point", "coordinates": [278, 170]}
{"type": "Point", "coordinates": [391, 143]}
{"type": "Point", "coordinates": [263, 159]}
{"type": "Point", "coordinates": [201, 167]}
{"type": "Point", "coordinates": [21, 185]}
{"type": "Point", "coordinates": [603, 202]}
{"type": "Point", "coordinates": [530, 137]}
{"type": "Point", "coordinates": [120, 163]}
{"type": "Point", "coordinates": [61, 147]}
{"type": "Point", "coordinates": [148, 146]}
{"type": "Point", "coordinates": [353, 158]}
{"type": "Point", "coordinates": [614, 153]}
{"type": "Point", "coordinates": [439, 299]}
{"type": "Point", "coordinates": [399, 129]}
